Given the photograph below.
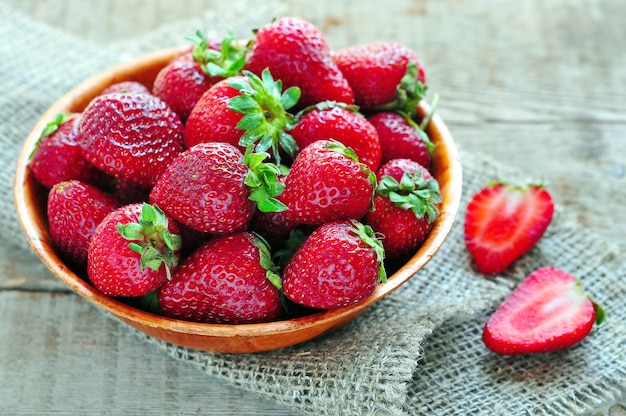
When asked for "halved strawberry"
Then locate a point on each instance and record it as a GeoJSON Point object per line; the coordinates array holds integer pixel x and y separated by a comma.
{"type": "Point", "coordinates": [547, 311]}
{"type": "Point", "coordinates": [503, 222]}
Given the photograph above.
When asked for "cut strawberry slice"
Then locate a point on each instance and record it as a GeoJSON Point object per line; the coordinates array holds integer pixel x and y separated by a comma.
{"type": "Point", "coordinates": [503, 222]}
{"type": "Point", "coordinates": [547, 311]}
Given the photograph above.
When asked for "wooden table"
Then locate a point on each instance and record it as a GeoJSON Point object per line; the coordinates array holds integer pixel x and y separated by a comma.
{"type": "Point", "coordinates": [540, 85]}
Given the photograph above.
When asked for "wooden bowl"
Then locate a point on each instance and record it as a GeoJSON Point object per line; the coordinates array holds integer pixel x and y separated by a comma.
{"type": "Point", "coordinates": [30, 201]}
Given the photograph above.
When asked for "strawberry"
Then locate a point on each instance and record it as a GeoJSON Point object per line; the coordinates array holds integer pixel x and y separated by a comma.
{"type": "Point", "coordinates": [182, 82]}
{"type": "Point", "coordinates": [547, 311]}
{"type": "Point", "coordinates": [339, 264]}
{"type": "Point", "coordinates": [133, 251]}
{"type": "Point", "coordinates": [503, 222]}
{"type": "Point", "coordinates": [128, 87]}
{"type": "Point", "coordinates": [227, 280]}
{"type": "Point", "coordinates": [211, 189]}
{"type": "Point", "coordinates": [327, 183]}
{"type": "Point", "coordinates": [74, 211]}
{"type": "Point", "coordinates": [296, 52]}
{"type": "Point", "coordinates": [401, 138]}
{"type": "Point", "coordinates": [58, 156]}
{"type": "Point", "coordinates": [243, 111]}
{"type": "Point", "coordinates": [130, 136]}
{"type": "Point", "coordinates": [383, 74]}
{"type": "Point", "coordinates": [330, 120]}
{"type": "Point", "coordinates": [405, 206]}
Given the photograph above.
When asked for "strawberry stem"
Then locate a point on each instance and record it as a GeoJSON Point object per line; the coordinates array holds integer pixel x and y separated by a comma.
{"type": "Point", "coordinates": [414, 193]}
{"type": "Point", "coordinates": [227, 62]}
{"type": "Point", "coordinates": [266, 121]}
{"type": "Point", "coordinates": [262, 179]}
{"type": "Point", "coordinates": [151, 239]}
{"type": "Point", "coordinates": [369, 237]}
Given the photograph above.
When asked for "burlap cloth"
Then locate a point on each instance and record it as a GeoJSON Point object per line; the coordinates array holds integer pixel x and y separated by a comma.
{"type": "Point", "coordinates": [419, 350]}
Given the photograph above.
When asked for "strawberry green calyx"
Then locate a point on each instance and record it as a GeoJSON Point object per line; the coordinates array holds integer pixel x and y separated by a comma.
{"type": "Point", "coordinates": [151, 239]}
{"type": "Point", "coordinates": [264, 105]}
{"type": "Point", "coordinates": [409, 93]}
{"type": "Point", "coordinates": [265, 260]}
{"type": "Point", "coordinates": [227, 62]}
{"type": "Point", "coordinates": [262, 179]}
{"type": "Point", "coordinates": [413, 192]}
{"type": "Point", "coordinates": [51, 127]}
{"type": "Point", "coordinates": [367, 235]}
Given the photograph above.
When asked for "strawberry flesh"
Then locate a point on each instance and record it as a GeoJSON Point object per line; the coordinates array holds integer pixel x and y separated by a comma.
{"type": "Point", "coordinates": [504, 222]}
{"type": "Point", "coordinates": [547, 311]}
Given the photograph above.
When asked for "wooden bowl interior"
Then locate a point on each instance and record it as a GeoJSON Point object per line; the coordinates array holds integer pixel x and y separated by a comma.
{"type": "Point", "coordinates": [30, 201]}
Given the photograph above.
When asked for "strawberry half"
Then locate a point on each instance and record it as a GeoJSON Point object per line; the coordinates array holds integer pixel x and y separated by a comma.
{"type": "Point", "coordinates": [547, 311]}
{"type": "Point", "coordinates": [503, 222]}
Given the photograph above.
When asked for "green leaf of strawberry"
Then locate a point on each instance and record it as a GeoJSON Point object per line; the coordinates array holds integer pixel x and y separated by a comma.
{"type": "Point", "coordinates": [547, 311]}
{"type": "Point", "coordinates": [262, 179]}
{"type": "Point", "coordinates": [227, 62]}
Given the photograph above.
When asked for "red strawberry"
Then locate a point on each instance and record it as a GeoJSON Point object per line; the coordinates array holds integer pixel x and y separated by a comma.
{"type": "Point", "coordinates": [296, 52]}
{"type": "Point", "coordinates": [339, 264]}
{"type": "Point", "coordinates": [243, 111]}
{"type": "Point", "coordinates": [383, 73]}
{"type": "Point", "coordinates": [329, 120]}
{"type": "Point", "coordinates": [182, 82]}
{"type": "Point", "coordinates": [74, 211]}
{"type": "Point", "coordinates": [128, 87]}
{"type": "Point", "coordinates": [130, 136]}
{"type": "Point", "coordinates": [226, 280]}
{"type": "Point", "coordinates": [547, 311]}
{"type": "Point", "coordinates": [405, 206]}
{"type": "Point", "coordinates": [401, 138]}
{"type": "Point", "coordinates": [58, 156]}
{"type": "Point", "coordinates": [133, 251]}
{"type": "Point", "coordinates": [503, 222]}
{"type": "Point", "coordinates": [327, 183]}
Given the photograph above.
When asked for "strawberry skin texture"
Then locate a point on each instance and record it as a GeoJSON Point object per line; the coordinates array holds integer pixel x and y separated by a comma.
{"type": "Point", "coordinates": [324, 185]}
{"type": "Point", "coordinates": [296, 52]}
{"type": "Point", "coordinates": [403, 232]}
{"type": "Point", "coordinates": [332, 268]}
{"type": "Point", "coordinates": [112, 267]}
{"type": "Point", "coordinates": [59, 157]}
{"type": "Point", "coordinates": [211, 119]}
{"type": "Point", "coordinates": [345, 126]}
{"type": "Point", "coordinates": [74, 211]}
{"type": "Point", "coordinates": [127, 86]}
{"type": "Point", "coordinates": [375, 70]}
{"type": "Point", "coordinates": [130, 136]}
{"type": "Point", "coordinates": [398, 139]}
{"type": "Point", "coordinates": [222, 282]}
{"type": "Point", "coordinates": [204, 189]}
{"type": "Point", "coordinates": [503, 222]}
{"type": "Point", "coordinates": [181, 83]}
{"type": "Point", "coordinates": [547, 311]}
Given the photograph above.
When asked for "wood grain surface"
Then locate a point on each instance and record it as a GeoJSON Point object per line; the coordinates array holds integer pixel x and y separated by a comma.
{"type": "Point", "coordinates": [539, 85]}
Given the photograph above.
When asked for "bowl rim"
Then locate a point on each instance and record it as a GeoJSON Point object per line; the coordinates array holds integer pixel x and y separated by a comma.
{"type": "Point", "coordinates": [79, 97]}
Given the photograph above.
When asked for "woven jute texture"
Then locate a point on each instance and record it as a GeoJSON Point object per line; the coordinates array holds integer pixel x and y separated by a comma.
{"type": "Point", "coordinates": [419, 350]}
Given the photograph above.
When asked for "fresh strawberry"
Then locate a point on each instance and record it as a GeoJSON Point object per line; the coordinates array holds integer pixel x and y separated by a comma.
{"type": "Point", "coordinates": [130, 136]}
{"type": "Point", "coordinates": [58, 156]}
{"type": "Point", "coordinates": [503, 222]}
{"type": "Point", "coordinates": [339, 264]}
{"type": "Point", "coordinates": [244, 111]}
{"type": "Point", "coordinates": [127, 87]}
{"type": "Point", "coordinates": [133, 251]}
{"type": "Point", "coordinates": [405, 206]}
{"type": "Point", "coordinates": [182, 82]}
{"type": "Point", "coordinates": [547, 311]}
{"type": "Point", "coordinates": [74, 211]}
{"type": "Point", "coordinates": [383, 74]}
{"type": "Point", "coordinates": [212, 188]}
{"type": "Point", "coordinates": [229, 279]}
{"type": "Point", "coordinates": [401, 138]}
{"type": "Point", "coordinates": [327, 183]}
{"type": "Point", "coordinates": [343, 123]}
{"type": "Point", "coordinates": [296, 52]}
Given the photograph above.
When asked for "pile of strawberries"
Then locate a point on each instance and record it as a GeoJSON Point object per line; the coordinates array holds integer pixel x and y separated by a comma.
{"type": "Point", "coordinates": [250, 181]}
